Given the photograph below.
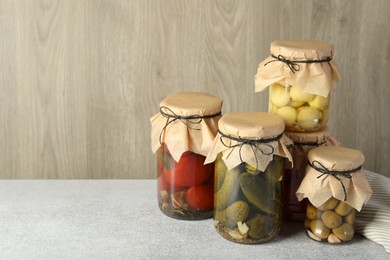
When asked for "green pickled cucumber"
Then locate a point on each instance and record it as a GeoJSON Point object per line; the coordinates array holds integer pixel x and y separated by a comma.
{"type": "Point", "coordinates": [259, 226]}
{"type": "Point", "coordinates": [220, 171]}
{"type": "Point", "coordinates": [229, 191]}
{"type": "Point", "coordinates": [252, 170]}
{"type": "Point", "coordinates": [275, 170]}
{"type": "Point", "coordinates": [259, 193]}
{"type": "Point", "coordinates": [237, 211]}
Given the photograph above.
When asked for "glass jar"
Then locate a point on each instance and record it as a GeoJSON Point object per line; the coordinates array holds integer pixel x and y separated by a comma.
{"type": "Point", "coordinates": [185, 185]}
{"type": "Point", "coordinates": [333, 221]}
{"type": "Point", "coordinates": [336, 188]}
{"type": "Point", "coordinates": [249, 183]}
{"type": "Point", "coordinates": [300, 110]}
{"type": "Point", "coordinates": [302, 143]}
{"type": "Point", "coordinates": [300, 76]}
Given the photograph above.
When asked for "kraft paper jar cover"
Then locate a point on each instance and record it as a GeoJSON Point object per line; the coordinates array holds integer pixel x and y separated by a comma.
{"type": "Point", "coordinates": [181, 135]}
{"type": "Point", "coordinates": [254, 126]}
{"type": "Point", "coordinates": [319, 189]}
{"type": "Point", "coordinates": [315, 78]}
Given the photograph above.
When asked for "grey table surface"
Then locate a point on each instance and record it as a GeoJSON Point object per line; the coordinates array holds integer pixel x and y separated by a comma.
{"type": "Point", "coordinates": [120, 219]}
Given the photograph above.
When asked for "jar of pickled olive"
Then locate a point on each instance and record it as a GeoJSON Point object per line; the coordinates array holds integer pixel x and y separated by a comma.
{"type": "Point", "coordinates": [303, 142]}
{"type": "Point", "coordinates": [182, 134]}
{"type": "Point", "coordinates": [249, 153]}
{"type": "Point", "coordinates": [336, 187]}
{"type": "Point", "coordinates": [300, 76]}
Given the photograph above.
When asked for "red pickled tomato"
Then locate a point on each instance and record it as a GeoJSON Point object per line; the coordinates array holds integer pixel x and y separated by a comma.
{"type": "Point", "coordinates": [189, 171]}
{"type": "Point", "coordinates": [201, 197]}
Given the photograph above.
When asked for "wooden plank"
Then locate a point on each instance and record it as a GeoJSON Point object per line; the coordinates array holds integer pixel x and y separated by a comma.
{"type": "Point", "coordinates": [79, 80]}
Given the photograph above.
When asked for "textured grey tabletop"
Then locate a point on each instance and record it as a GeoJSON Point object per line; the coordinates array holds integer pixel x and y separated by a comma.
{"type": "Point", "coordinates": [120, 219]}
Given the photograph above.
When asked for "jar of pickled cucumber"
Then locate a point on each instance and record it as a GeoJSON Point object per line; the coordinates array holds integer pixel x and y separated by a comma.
{"type": "Point", "coordinates": [182, 134]}
{"type": "Point", "coordinates": [303, 142]}
{"type": "Point", "coordinates": [249, 153]}
{"type": "Point", "coordinates": [300, 76]}
{"type": "Point", "coordinates": [336, 187]}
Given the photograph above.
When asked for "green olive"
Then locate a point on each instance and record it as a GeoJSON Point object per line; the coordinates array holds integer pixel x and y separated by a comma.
{"type": "Point", "coordinates": [319, 229]}
{"type": "Point", "coordinates": [329, 204]}
{"type": "Point", "coordinates": [311, 212]}
{"type": "Point", "coordinates": [331, 219]}
{"type": "Point", "coordinates": [350, 218]}
{"type": "Point", "coordinates": [345, 232]}
{"type": "Point", "coordinates": [343, 209]}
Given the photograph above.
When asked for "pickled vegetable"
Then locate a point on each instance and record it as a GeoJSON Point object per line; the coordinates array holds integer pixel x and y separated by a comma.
{"type": "Point", "coordinates": [279, 95]}
{"type": "Point", "coordinates": [298, 95]}
{"type": "Point", "coordinates": [331, 219]}
{"type": "Point", "coordinates": [329, 204]}
{"type": "Point", "coordinates": [343, 209]}
{"type": "Point", "coordinates": [248, 206]}
{"type": "Point", "coordinates": [325, 223]}
{"type": "Point", "coordinates": [345, 232]}
{"type": "Point", "coordinates": [319, 229]}
{"type": "Point", "coordinates": [185, 188]}
{"type": "Point", "coordinates": [236, 212]}
{"type": "Point", "coordinates": [300, 110]}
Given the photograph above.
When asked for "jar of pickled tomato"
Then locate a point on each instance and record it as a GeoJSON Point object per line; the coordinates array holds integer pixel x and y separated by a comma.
{"type": "Point", "coordinates": [182, 134]}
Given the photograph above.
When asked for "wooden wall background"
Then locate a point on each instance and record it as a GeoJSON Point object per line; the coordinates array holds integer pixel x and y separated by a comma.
{"type": "Point", "coordinates": [79, 79]}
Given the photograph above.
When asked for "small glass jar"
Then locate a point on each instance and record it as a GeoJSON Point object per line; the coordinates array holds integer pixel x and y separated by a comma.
{"type": "Point", "coordinates": [185, 185]}
{"type": "Point", "coordinates": [336, 188]}
{"type": "Point", "coordinates": [248, 187]}
{"type": "Point", "coordinates": [300, 76]}
{"type": "Point", "coordinates": [302, 143]}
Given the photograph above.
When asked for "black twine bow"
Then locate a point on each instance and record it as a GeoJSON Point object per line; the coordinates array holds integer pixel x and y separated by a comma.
{"type": "Point", "coordinates": [335, 174]}
{"type": "Point", "coordinates": [187, 120]}
{"type": "Point", "coordinates": [293, 64]}
{"type": "Point", "coordinates": [255, 144]}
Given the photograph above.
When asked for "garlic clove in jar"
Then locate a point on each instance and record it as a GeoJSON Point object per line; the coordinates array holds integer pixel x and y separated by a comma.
{"type": "Point", "coordinates": [299, 95]}
{"type": "Point", "coordinates": [319, 102]}
{"type": "Point", "coordinates": [289, 114]}
{"type": "Point", "coordinates": [308, 118]}
{"type": "Point", "coordinates": [279, 95]}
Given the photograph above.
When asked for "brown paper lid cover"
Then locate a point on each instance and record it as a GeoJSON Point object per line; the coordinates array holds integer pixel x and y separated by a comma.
{"type": "Point", "coordinates": [253, 126]}
{"type": "Point", "coordinates": [192, 103]}
{"type": "Point", "coordinates": [302, 49]}
{"type": "Point", "coordinates": [181, 135]}
{"type": "Point", "coordinates": [316, 78]}
{"type": "Point", "coordinates": [319, 187]}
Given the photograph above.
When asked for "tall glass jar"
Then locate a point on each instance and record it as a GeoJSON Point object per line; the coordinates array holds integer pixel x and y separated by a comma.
{"type": "Point", "coordinates": [249, 167]}
{"type": "Point", "coordinates": [300, 76]}
{"type": "Point", "coordinates": [336, 188]}
{"type": "Point", "coordinates": [182, 134]}
{"type": "Point", "coordinates": [302, 143]}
